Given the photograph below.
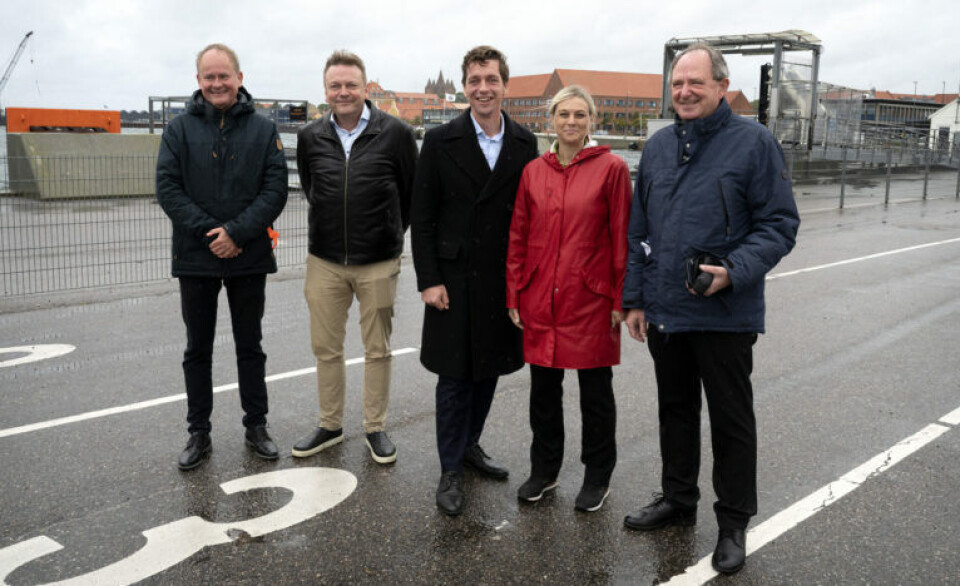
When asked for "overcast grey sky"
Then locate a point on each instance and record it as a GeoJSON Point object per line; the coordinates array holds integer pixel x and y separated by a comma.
{"type": "Point", "coordinates": [103, 53]}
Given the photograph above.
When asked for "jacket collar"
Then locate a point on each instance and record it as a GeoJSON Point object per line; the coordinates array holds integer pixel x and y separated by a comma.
{"type": "Point", "coordinates": [693, 135]}
{"type": "Point", "coordinates": [706, 126]}
{"type": "Point", "coordinates": [463, 148]}
{"type": "Point", "coordinates": [374, 125]}
{"type": "Point", "coordinates": [199, 107]}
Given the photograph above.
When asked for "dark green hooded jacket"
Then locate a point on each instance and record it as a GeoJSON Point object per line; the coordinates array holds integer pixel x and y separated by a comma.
{"type": "Point", "coordinates": [221, 168]}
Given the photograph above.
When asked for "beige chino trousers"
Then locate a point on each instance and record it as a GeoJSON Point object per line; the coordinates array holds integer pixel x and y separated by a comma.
{"type": "Point", "coordinates": [329, 289]}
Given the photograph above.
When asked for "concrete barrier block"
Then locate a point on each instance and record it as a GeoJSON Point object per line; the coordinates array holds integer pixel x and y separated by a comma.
{"type": "Point", "coordinates": [68, 166]}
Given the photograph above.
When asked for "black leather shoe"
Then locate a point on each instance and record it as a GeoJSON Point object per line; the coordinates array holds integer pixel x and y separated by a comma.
{"type": "Point", "coordinates": [259, 441]}
{"type": "Point", "coordinates": [477, 459]}
{"type": "Point", "coordinates": [198, 446]}
{"type": "Point", "coordinates": [731, 552]}
{"type": "Point", "coordinates": [660, 513]}
{"type": "Point", "coordinates": [591, 498]}
{"type": "Point", "coordinates": [318, 440]}
{"type": "Point", "coordinates": [381, 448]}
{"type": "Point", "coordinates": [450, 493]}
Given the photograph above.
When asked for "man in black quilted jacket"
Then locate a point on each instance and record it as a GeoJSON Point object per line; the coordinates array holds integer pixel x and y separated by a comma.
{"type": "Point", "coordinates": [356, 167]}
{"type": "Point", "coordinates": [222, 180]}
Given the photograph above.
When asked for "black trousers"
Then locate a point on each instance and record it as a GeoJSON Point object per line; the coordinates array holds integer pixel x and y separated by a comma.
{"type": "Point", "coordinates": [462, 409]}
{"type": "Point", "coordinates": [722, 362]}
{"type": "Point", "coordinates": [598, 444]}
{"type": "Point", "coordinates": [198, 303]}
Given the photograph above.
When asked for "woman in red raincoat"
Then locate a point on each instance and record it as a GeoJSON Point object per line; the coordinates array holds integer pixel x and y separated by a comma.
{"type": "Point", "coordinates": [565, 270]}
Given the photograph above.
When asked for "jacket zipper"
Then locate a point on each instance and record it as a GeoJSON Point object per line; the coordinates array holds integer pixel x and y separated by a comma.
{"type": "Point", "coordinates": [346, 176]}
{"type": "Point", "coordinates": [726, 214]}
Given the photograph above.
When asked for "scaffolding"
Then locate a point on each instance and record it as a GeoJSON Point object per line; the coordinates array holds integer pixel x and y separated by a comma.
{"type": "Point", "coordinates": [281, 112]}
{"type": "Point", "coordinates": [793, 81]}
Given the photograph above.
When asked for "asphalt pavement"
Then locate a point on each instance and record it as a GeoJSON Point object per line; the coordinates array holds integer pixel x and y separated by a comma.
{"type": "Point", "coordinates": [856, 393]}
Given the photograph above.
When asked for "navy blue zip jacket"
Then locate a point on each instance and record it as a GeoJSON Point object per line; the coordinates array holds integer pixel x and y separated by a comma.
{"type": "Point", "coordinates": [221, 168]}
{"type": "Point", "coordinates": [717, 185]}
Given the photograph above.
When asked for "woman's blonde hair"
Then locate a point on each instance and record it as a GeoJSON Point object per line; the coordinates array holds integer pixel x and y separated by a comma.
{"type": "Point", "coordinates": [573, 91]}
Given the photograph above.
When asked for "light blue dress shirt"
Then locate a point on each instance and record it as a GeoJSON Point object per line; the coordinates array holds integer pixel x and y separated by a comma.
{"type": "Point", "coordinates": [348, 136]}
{"type": "Point", "coordinates": [490, 145]}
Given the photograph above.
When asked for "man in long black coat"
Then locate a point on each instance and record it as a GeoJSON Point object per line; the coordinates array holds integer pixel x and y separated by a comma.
{"type": "Point", "coordinates": [464, 190]}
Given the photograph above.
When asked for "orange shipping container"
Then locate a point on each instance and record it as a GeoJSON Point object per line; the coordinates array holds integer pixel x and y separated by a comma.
{"type": "Point", "coordinates": [52, 120]}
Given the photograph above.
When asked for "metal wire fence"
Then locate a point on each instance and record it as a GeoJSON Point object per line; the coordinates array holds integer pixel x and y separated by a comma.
{"type": "Point", "coordinates": [77, 226]}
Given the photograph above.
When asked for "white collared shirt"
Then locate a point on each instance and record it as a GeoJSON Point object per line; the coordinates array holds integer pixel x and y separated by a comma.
{"type": "Point", "coordinates": [490, 145]}
{"type": "Point", "coordinates": [347, 137]}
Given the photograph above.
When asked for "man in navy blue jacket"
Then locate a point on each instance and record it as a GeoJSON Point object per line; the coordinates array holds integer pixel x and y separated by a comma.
{"type": "Point", "coordinates": [712, 194]}
{"type": "Point", "coordinates": [222, 180]}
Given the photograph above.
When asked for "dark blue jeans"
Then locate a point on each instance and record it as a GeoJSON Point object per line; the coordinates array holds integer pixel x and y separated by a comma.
{"type": "Point", "coordinates": [462, 408]}
{"type": "Point", "coordinates": [722, 363]}
{"type": "Point", "coordinates": [198, 303]}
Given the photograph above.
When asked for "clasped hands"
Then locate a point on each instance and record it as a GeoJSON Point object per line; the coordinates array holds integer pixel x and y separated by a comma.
{"type": "Point", "coordinates": [223, 246]}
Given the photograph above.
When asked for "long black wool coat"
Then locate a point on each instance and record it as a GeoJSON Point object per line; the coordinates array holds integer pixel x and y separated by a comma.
{"type": "Point", "coordinates": [460, 228]}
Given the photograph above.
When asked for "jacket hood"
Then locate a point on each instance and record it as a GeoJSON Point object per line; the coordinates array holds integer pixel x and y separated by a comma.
{"type": "Point", "coordinates": [199, 107]}
{"type": "Point", "coordinates": [589, 151]}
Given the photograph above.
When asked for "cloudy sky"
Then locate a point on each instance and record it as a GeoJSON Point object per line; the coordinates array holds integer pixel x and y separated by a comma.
{"type": "Point", "coordinates": [104, 53]}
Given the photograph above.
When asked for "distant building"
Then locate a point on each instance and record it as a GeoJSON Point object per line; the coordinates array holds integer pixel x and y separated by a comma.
{"type": "Point", "coordinates": [375, 92]}
{"type": "Point", "coordinates": [622, 99]}
{"type": "Point", "coordinates": [440, 87]}
{"type": "Point", "coordinates": [945, 128]}
{"type": "Point", "coordinates": [930, 98]}
{"type": "Point", "coordinates": [850, 116]}
{"type": "Point", "coordinates": [408, 106]}
{"type": "Point", "coordinates": [740, 104]}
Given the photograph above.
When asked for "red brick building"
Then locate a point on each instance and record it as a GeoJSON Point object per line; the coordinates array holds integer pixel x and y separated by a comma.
{"type": "Point", "coordinates": [739, 103]}
{"type": "Point", "coordinates": [408, 106]}
{"type": "Point", "coordinates": [623, 100]}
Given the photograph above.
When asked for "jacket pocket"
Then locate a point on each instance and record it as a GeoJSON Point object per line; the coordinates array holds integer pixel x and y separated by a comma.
{"type": "Point", "coordinates": [600, 286]}
{"type": "Point", "coordinates": [448, 250]}
{"type": "Point", "coordinates": [527, 277]}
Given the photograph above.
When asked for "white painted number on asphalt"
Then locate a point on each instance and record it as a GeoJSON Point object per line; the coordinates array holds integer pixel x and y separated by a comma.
{"type": "Point", "coordinates": [34, 353]}
{"type": "Point", "coordinates": [315, 490]}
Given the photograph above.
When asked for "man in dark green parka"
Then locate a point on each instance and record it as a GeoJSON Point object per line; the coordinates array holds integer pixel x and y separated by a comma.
{"type": "Point", "coordinates": [222, 180]}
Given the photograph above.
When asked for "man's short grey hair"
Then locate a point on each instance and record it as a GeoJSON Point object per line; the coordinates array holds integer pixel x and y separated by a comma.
{"type": "Point", "coordinates": [573, 91]}
{"type": "Point", "coordinates": [230, 53]}
{"type": "Point", "coordinates": [718, 65]}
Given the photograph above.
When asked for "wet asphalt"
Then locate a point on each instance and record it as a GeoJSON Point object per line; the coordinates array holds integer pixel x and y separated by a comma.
{"type": "Point", "coordinates": [857, 357]}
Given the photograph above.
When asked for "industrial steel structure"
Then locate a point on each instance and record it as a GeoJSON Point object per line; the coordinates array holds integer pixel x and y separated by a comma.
{"type": "Point", "coordinates": [793, 85]}
{"type": "Point", "coordinates": [13, 61]}
{"type": "Point", "coordinates": [281, 112]}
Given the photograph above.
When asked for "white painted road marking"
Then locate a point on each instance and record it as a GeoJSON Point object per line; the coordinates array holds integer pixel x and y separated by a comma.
{"type": "Point", "coordinates": [805, 508]}
{"type": "Point", "coordinates": [315, 490]}
{"type": "Point", "coordinates": [861, 258]}
{"type": "Point", "coordinates": [815, 502]}
{"type": "Point", "coordinates": [294, 373]}
{"type": "Point", "coordinates": [11, 431]}
{"type": "Point", "coordinates": [34, 353]}
{"type": "Point", "coordinates": [952, 418]}
{"type": "Point", "coordinates": [205, 533]}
